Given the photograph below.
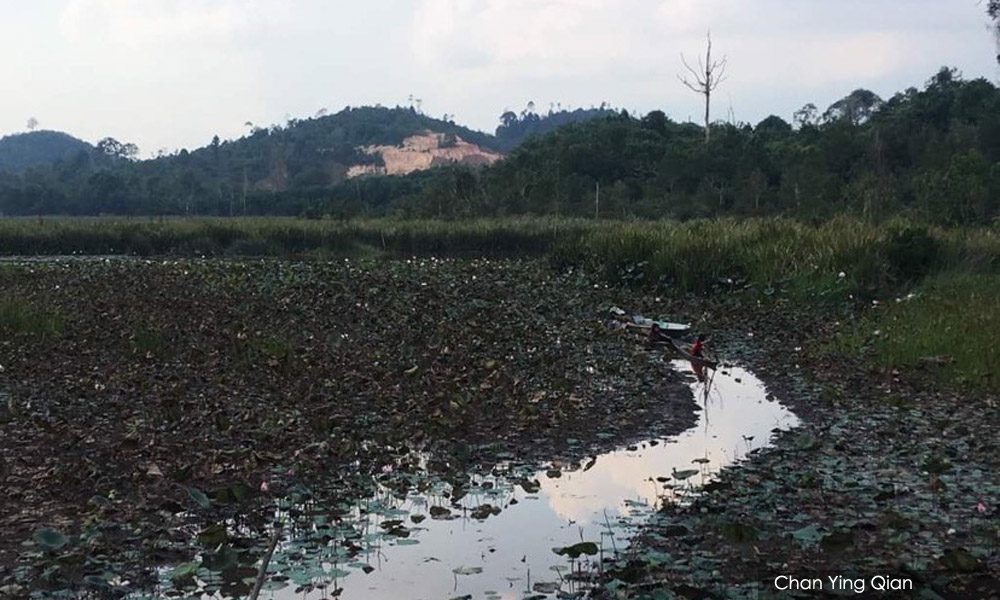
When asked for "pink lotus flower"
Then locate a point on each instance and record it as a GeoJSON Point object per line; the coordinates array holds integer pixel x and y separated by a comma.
{"type": "Point", "coordinates": [263, 487]}
{"type": "Point", "coordinates": [981, 508]}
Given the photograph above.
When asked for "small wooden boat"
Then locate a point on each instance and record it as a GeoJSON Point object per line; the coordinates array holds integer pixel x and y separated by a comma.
{"type": "Point", "coordinates": [671, 330]}
{"type": "Point", "coordinates": [661, 336]}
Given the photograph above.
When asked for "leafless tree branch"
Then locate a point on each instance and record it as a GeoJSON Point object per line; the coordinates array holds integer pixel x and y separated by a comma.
{"type": "Point", "coordinates": [690, 86]}
{"type": "Point", "coordinates": [697, 74]}
{"type": "Point", "coordinates": [721, 76]}
{"type": "Point", "coordinates": [708, 77]}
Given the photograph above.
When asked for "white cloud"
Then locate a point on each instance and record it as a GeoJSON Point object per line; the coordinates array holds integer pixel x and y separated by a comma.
{"type": "Point", "coordinates": [475, 53]}
{"type": "Point", "coordinates": [530, 37]}
{"type": "Point", "coordinates": [131, 22]}
{"type": "Point", "coordinates": [174, 72]}
{"type": "Point", "coordinates": [811, 60]}
{"type": "Point", "coordinates": [162, 73]}
{"type": "Point", "coordinates": [559, 38]}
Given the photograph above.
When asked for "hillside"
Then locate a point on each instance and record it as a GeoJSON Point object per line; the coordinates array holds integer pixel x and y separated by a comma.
{"type": "Point", "coordinates": [22, 151]}
{"type": "Point", "coordinates": [930, 154]}
{"type": "Point", "coordinates": [325, 151]}
{"type": "Point", "coordinates": [310, 153]}
{"type": "Point", "coordinates": [515, 129]}
{"type": "Point", "coordinates": [330, 163]}
{"type": "Point", "coordinates": [421, 152]}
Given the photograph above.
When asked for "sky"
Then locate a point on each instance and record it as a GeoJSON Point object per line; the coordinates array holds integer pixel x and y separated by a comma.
{"type": "Point", "coordinates": [171, 74]}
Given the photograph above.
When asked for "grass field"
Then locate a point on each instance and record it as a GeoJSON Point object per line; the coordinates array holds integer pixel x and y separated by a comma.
{"type": "Point", "coordinates": [691, 256]}
{"type": "Point", "coordinates": [946, 327]}
{"type": "Point", "coordinates": [268, 236]}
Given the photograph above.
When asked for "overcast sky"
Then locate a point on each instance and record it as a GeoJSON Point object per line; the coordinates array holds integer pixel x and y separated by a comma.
{"type": "Point", "coordinates": [173, 73]}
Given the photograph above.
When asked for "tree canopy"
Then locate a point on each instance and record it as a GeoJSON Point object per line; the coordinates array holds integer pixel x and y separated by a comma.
{"type": "Point", "coordinates": [932, 154]}
{"type": "Point", "coordinates": [22, 151]}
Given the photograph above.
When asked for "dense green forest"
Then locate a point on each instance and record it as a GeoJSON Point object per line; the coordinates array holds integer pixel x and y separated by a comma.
{"type": "Point", "coordinates": [297, 168]}
{"type": "Point", "coordinates": [19, 152]}
{"type": "Point", "coordinates": [515, 128]}
{"type": "Point", "coordinates": [930, 154]}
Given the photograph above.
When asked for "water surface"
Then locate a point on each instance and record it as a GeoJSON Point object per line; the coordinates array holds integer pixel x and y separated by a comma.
{"type": "Point", "coordinates": [509, 553]}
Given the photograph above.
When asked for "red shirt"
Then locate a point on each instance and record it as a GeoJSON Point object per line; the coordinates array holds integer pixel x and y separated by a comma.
{"type": "Point", "coordinates": [696, 347]}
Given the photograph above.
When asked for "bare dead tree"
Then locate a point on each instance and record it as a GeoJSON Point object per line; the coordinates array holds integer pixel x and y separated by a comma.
{"type": "Point", "coordinates": [709, 75]}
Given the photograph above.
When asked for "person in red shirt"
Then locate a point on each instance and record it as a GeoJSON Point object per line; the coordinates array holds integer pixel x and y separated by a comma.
{"type": "Point", "coordinates": [697, 349]}
{"type": "Point", "coordinates": [699, 345]}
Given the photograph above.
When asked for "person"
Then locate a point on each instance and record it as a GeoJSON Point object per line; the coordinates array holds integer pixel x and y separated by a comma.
{"type": "Point", "coordinates": [657, 336]}
{"type": "Point", "coordinates": [697, 351]}
{"type": "Point", "coordinates": [698, 347]}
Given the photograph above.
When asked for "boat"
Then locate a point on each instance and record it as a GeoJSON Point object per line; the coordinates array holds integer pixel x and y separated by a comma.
{"type": "Point", "coordinates": [671, 330]}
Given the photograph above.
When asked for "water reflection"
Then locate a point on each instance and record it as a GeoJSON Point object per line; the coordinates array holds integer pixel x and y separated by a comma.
{"type": "Point", "coordinates": [496, 541]}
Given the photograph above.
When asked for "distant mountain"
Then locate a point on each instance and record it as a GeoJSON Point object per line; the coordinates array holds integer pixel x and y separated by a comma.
{"type": "Point", "coordinates": [324, 151]}
{"type": "Point", "coordinates": [356, 161]}
{"type": "Point", "coordinates": [932, 155]}
{"type": "Point", "coordinates": [327, 150]}
{"type": "Point", "coordinates": [22, 151]}
{"type": "Point", "coordinates": [515, 129]}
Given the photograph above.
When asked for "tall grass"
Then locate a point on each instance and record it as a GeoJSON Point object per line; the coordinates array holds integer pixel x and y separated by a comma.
{"type": "Point", "coordinates": [275, 236]}
{"type": "Point", "coordinates": [850, 254]}
{"type": "Point", "coordinates": [694, 256]}
{"type": "Point", "coordinates": [946, 327]}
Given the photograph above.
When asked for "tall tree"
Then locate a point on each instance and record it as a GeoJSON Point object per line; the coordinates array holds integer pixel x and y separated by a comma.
{"type": "Point", "coordinates": [115, 149]}
{"type": "Point", "coordinates": [805, 116]}
{"type": "Point", "coordinates": [855, 108]}
{"type": "Point", "coordinates": [707, 78]}
{"type": "Point", "coordinates": [993, 9]}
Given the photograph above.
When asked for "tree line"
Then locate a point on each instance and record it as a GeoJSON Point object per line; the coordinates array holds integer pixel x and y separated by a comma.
{"type": "Point", "coordinates": [932, 154]}
{"type": "Point", "coordinates": [297, 168]}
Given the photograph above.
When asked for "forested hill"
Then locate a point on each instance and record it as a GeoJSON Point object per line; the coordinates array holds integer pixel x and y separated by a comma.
{"type": "Point", "coordinates": [305, 154]}
{"type": "Point", "coordinates": [279, 169]}
{"type": "Point", "coordinates": [21, 151]}
{"type": "Point", "coordinates": [932, 154]}
{"type": "Point", "coordinates": [516, 128]}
